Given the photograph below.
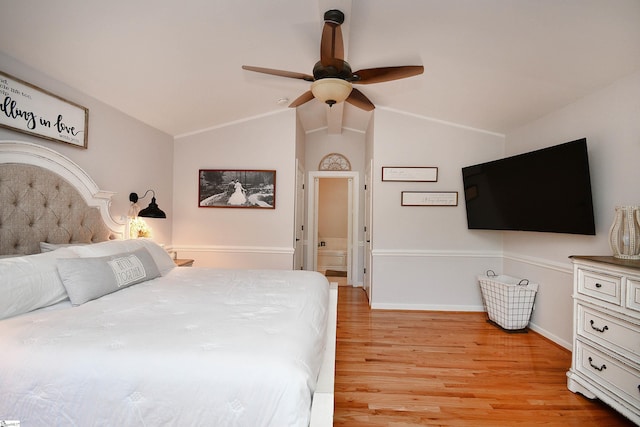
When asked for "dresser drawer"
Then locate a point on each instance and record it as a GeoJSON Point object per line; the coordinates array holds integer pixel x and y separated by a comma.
{"type": "Point", "coordinates": [633, 294]}
{"type": "Point", "coordinates": [609, 331]}
{"type": "Point", "coordinates": [621, 379]}
{"type": "Point", "coordinates": [600, 286]}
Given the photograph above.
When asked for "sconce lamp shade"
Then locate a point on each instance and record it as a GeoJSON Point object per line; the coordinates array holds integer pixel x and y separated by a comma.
{"type": "Point", "coordinates": [330, 90]}
{"type": "Point", "coordinates": [151, 211]}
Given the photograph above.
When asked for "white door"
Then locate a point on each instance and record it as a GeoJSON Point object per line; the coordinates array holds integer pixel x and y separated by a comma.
{"type": "Point", "coordinates": [368, 221]}
{"type": "Point", "coordinates": [298, 234]}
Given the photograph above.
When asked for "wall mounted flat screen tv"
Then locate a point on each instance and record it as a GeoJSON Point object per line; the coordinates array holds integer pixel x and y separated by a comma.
{"type": "Point", "coordinates": [546, 190]}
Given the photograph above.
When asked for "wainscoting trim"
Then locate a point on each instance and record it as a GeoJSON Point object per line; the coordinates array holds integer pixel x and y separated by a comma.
{"type": "Point", "coordinates": [429, 253]}
{"type": "Point", "coordinates": [235, 249]}
{"type": "Point", "coordinates": [540, 262]}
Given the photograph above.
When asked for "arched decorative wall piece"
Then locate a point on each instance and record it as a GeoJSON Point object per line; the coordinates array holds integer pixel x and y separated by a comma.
{"type": "Point", "coordinates": [334, 162]}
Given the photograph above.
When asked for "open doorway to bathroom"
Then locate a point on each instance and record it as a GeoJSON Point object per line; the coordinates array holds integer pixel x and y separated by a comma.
{"type": "Point", "coordinates": [333, 221]}
{"type": "Point", "coordinates": [333, 227]}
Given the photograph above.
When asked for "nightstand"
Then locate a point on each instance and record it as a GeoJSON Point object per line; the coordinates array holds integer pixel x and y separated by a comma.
{"type": "Point", "coordinates": [183, 262]}
{"type": "Point", "coordinates": [606, 335]}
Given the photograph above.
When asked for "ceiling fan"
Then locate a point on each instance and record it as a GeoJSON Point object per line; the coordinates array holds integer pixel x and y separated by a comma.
{"type": "Point", "coordinates": [332, 77]}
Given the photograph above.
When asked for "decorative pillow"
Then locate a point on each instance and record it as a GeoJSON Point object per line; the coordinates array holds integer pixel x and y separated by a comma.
{"type": "Point", "coordinates": [162, 259]}
{"type": "Point", "coordinates": [48, 247]}
{"type": "Point", "coordinates": [30, 282]}
{"type": "Point", "coordinates": [86, 279]}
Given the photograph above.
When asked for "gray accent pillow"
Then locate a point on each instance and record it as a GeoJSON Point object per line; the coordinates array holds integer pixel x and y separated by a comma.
{"type": "Point", "coordinates": [160, 256]}
{"type": "Point", "coordinates": [86, 279]}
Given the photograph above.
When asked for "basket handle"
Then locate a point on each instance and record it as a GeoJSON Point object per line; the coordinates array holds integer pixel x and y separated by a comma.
{"type": "Point", "coordinates": [491, 273]}
{"type": "Point", "coordinates": [523, 282]}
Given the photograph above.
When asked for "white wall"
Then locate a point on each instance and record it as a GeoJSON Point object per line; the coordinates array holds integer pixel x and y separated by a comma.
{"type": "Point", "coordinates": [237, 237]}
{"type": "Point", "coordinates": [425, 257]}
{"type": "Point", "coordinates": [123, 154]}
{"type": "Point", "coordinates": [610, 120]}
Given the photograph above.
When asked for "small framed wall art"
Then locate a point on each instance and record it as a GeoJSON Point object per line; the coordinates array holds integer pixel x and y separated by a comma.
{"type": "Point", "coordinates": [410, 174]}
{"type": "Point", "coordinates": [28, 109]}
{"type": "Point", "coordinates": [237, 188]}
{"type": "Point", "coordinates": [429, 198]}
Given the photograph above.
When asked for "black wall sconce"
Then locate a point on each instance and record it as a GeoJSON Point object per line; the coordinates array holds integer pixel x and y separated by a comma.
{"type": "Point", "coordinates": [151, 211]}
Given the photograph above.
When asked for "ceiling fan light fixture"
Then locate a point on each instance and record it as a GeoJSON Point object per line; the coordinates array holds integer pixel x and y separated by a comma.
{"type": "Point", "coordinates": [331, 91]}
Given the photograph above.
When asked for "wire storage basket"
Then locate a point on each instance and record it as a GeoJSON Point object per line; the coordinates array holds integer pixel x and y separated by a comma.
{"type": "Point", "coordinates": [507, 300]}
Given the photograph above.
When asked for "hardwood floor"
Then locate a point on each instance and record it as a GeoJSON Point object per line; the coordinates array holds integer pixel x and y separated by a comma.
{"type": "Point", "coordinates": [405, 368]}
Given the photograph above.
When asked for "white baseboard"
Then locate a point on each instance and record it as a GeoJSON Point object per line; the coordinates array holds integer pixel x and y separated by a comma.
{"type": "Point", "coordinates": [548, 335]}
{"type": "Point", "coordinates": [426, 307]}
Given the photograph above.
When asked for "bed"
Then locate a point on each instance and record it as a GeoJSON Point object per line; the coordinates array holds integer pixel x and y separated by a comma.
{"type": "Point", "coordinates": [97, 330]}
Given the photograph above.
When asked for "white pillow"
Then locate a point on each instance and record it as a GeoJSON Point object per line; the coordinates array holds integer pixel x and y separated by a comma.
{"type": "Point", "coordinates": [161, 257]}
{"type": "Point", "coordinates": [86, 279]}
{"type": "Point", "coordinates": [48, 247]}
{"type": "Point", "coordinates": [30, 282]}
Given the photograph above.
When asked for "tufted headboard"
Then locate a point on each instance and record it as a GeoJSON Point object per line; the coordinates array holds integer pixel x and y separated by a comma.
{"type": "Point", "coordinates": [45, 197]}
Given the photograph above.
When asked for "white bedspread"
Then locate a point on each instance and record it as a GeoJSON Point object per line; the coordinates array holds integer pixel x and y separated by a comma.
{"type": "Point", "coordinates": [198, 347]}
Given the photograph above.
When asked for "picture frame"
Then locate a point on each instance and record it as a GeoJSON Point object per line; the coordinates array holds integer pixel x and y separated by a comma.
{"type": "Point", "coordinates": [237, 188]}
{"type": "Point", "coordinates": [410, 173]}
{"type": "Point", "coordinates": [34, 111]}
{"type": "Point", "coordinates": [429, 198]}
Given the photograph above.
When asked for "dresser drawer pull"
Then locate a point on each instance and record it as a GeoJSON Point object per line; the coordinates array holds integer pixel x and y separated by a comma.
{"type": "Point", "coordinates": [601, 368]}
{"type": "Point", "coordinates": [595, 328]}
{"type": "Point", "coordinates": [598, 285]}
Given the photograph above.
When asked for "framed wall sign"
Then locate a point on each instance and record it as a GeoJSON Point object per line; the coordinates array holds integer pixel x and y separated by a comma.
{"type": "Point", "coordinates": [28, 109]}
{"type": "Point", "coordinates": [410, 174]}
{"type": "Point", "coordinates": [237, 188]}
{"type": "Point", "coordinates": [429, 198]}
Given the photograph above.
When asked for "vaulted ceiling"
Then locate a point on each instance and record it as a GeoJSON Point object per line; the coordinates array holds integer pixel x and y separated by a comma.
{"type": "Point", "coordinates": [176, 65]}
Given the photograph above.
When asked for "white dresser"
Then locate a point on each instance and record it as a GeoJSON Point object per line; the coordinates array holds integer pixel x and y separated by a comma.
{"type": "Point", "coordinates": [606, 333]}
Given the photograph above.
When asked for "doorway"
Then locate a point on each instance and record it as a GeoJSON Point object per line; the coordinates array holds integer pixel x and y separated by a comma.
{"type": "Point", "coordinates": [327, 247]}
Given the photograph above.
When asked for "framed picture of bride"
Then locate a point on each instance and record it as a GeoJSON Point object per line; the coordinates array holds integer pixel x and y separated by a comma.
{"type": "Point", "coordinates": [236, 188]}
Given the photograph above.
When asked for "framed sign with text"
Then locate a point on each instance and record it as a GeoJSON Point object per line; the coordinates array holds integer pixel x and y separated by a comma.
{"type": "Point", "coordinates": [28, 109]}
{"type": "Point", "coordinates": [429, 198]}
{"type": "Point", "coordinates": [410, 174]}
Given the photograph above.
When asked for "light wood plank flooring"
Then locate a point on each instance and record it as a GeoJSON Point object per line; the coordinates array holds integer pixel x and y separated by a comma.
{"type": "Point", "coordinates": [404, 368]}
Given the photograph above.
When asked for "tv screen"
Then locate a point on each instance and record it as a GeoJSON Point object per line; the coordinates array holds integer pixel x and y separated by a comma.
{"type": "Point", "coordinates": [545, 190]}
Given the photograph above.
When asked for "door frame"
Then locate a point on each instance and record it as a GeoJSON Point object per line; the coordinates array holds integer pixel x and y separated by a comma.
{"type": "Point", "coordinates": [352, 219]}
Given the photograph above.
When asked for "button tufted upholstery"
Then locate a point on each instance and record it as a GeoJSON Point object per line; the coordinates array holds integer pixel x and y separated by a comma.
{"type": "Point", "coordinates": [37, 205]}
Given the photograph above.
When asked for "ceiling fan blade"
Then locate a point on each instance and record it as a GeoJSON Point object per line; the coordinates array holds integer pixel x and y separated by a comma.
{"type": "Point", "coordinates": [385, 74]}
{"type": "Point", "coordinates": [358, 99]}
{"type": "Point", "coordinates": [305, 97]}
{"type": "Point", "coordinates": [280, 73]}
{"type": "Point", "coordinates": [331, 44]}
